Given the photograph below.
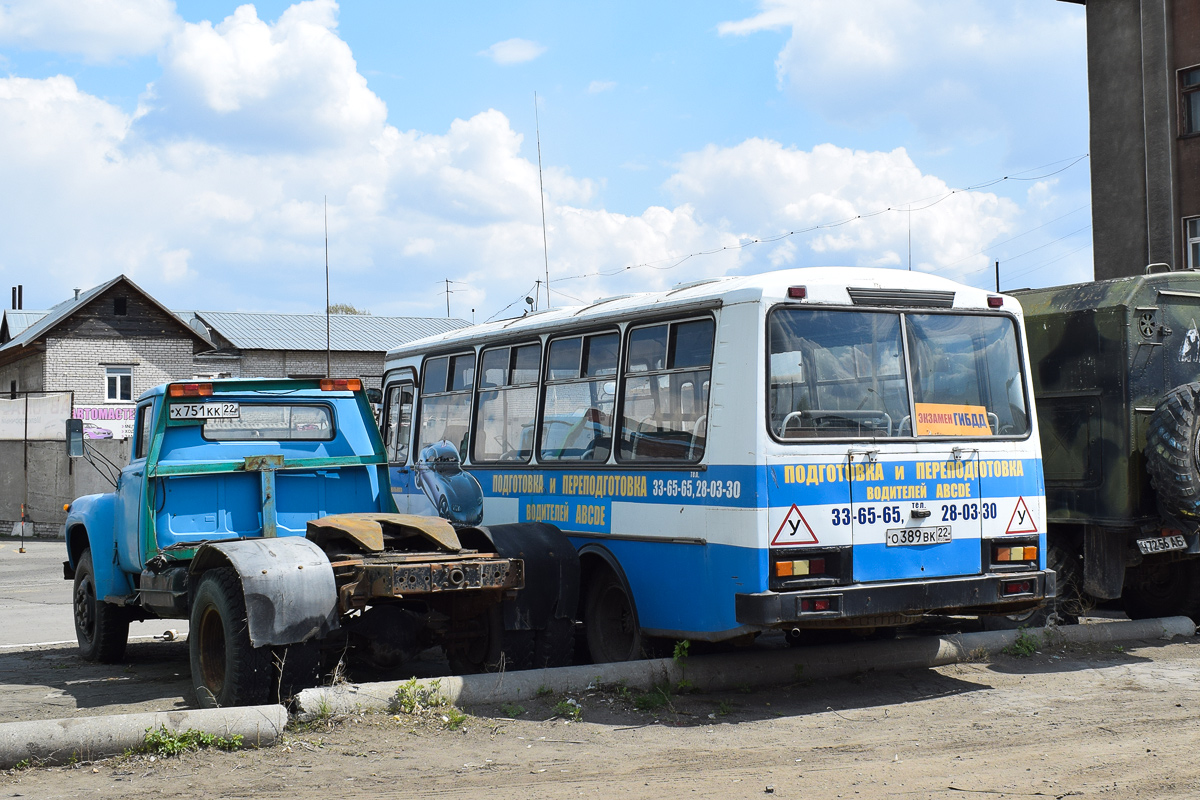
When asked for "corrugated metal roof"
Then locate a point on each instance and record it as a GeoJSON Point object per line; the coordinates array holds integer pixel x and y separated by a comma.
{"type": "Point", "coordinates": [353, 332]}
{"type": "Point", "coordinates": [20, 320]}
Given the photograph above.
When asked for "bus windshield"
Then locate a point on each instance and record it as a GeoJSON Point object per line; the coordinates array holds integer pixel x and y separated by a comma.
{"type": "Point", "coordinates": [844, 374]}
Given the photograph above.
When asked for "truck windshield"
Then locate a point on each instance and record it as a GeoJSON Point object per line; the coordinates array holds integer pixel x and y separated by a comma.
{"type": "Point", "coordinates": [275, 422]}
{"type": "Point", "coordinates": [843, 374]}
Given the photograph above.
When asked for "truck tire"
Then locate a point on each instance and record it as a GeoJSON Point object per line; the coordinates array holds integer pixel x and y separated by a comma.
{"type": "Point", "coordinates": [478, 648]}
{"type": "Point", "coordinates": [1162, 589]}
{"type": "Point", "coordinates": [610, 619]}
{"type": "Point", "coordinates": [101, 628]}
{"type": "Point", "coordinates": [226, 669]}
{"type": "Point", "coordinates": [1068, 605]}
{"type": "Point", "coordinates": [1173, 453]}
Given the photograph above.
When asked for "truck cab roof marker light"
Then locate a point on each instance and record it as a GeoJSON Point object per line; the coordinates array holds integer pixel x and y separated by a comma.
{"type": "Point", "coordinates": [341, 385]}
{"type": "Point", "coordinates": [797, 292]}
{"type": "Point", "coordinates": [995, 301]}
{"type": "Point", "coordinates": [190, 390]}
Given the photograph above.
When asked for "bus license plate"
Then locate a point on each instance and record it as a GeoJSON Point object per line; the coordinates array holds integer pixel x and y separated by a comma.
{"type": "Point", "coordinates": [901, 537]}
{"type": "Point", "coordinates": [205, 411]}
{"type": "Point", "coordinates": [1161, 544]}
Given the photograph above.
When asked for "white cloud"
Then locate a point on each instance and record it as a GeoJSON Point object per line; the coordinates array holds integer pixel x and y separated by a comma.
{"type": "Point", "coordinates": [596, 87]}
{"type": "Point", "coordinates": [513, 51]}
{"type": "Point", "coordinates": [97, 30]}
{"type": "Point", "coordinates": [760, 188]}
{"type": "Point", "coordinates": [948, 66]}
{"type": "Point", "coordinates": [263, 86]}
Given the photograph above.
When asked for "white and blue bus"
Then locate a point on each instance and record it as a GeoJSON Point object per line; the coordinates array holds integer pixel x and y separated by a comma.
{"type": "Point", "coordinates": [825, 447]}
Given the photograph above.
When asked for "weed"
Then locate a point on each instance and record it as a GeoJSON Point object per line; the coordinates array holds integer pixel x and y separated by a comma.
{"type": "Point", "coordinates": [453, 718]}
{"type": "Point", "coordinates": [544, 691]}
{"type": "Point", "coordinates": [163, 742]}
{"type": "Point", "coordinates": [1119, 648]}
{"type": "Point", "coordinates": [569, 708]}
{"type": "Point", "coordinates": [413, 698]}
{"type": "Point", "coordinates": [24, 763]}
{"type": "Point", "coordinates": [323, 711]}
{"type": "Point", "coordinates": [1024, 645]}
{"type": "Point", "coordinates": [723, 708]}
{"type": "Point", "coordinates": [512, 709]}
{"type": "Point", "coordinates": [744, 688]}
{"type": "Point", "coordinates": [977, 655]}
{"type": "Point", "coordinates": [656, 698]}
{"type": "Point", "coordinates": [684, 686]}
{"type": "Point", "coordinates": [680, 654]}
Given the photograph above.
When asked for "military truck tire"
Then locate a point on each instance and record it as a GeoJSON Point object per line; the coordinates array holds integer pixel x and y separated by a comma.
{"type": "Point", "coordinates": [226, 669]}
{"type": "Point", "coordinates": [101, 628]}
{"type": "Point", "coordinates": [479, 648]}
{"type": "Point", "coordinates": [1162, 589]}
{"type": "Point", "coordinates": [1066, 607]}
{"type": "Point", "coordinates": [1173, 452]}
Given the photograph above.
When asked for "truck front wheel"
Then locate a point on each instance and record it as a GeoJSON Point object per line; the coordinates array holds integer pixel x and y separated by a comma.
{"type": "Point", "coordinates": [226, 669]}
{"type": "Point", "coordinates": [101, 628]}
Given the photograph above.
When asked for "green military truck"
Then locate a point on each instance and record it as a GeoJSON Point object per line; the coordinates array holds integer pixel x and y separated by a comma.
{"type": "Point", "coordinates": [1116, 373]}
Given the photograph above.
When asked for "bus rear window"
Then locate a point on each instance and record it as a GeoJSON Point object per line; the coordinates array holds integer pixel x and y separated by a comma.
{"type": "Point", "coordinates": [272, 422]}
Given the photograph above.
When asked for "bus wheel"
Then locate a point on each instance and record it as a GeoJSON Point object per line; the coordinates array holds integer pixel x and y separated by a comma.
{"type": "Point", "coordinates": [227, 670]}
{"type": "Point", "coordinates": [101, 628]}
{"type": "Point", "coordinates": [1161, 589]}
{"type": "Point", "coordinates": [1067, 607]}
{"type": "Point", "coordinates": [611, 621]}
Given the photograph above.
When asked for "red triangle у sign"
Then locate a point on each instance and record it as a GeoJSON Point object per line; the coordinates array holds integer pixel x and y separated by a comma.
{"type": "Point", "coordinates": [794, 529]}
{"type": "Point", "coordinates": [1021, 520]}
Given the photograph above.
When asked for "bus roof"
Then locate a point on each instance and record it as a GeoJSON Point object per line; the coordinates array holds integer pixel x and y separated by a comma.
{"type": "Point", "coordinates": [823, 285]}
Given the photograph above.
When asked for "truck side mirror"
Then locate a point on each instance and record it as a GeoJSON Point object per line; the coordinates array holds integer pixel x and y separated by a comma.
{"type": "Point", "coordinates": [75, 438]}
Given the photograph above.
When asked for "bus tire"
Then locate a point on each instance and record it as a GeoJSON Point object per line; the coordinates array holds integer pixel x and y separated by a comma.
{"type": "Point", "coordinates": [1162, 589]}
{"type": "Point", "coordinates": [610, 619]}
{"type": "Point", "coordinates": [102, 629]}
{"type": "Point", "coordinates": [227, 670]}
{"type": "Point", "coordinates": [1173, 452]}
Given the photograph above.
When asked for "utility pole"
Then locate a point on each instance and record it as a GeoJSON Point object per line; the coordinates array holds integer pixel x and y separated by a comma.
{"type": "Point", "coordinates": [997, 277]}
{"type": "Point", "coordinates": [328, 356]}
{"type": "Point", "coordinates": [542, 197]}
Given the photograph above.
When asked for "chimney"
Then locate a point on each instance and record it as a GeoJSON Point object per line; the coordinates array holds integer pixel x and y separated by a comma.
{"type": "Point", "coordinates": [76, 294]}
{"type": "Point", "coordinates": [20, 296]}
{"type": "Point", "coordinates": [14, 300]}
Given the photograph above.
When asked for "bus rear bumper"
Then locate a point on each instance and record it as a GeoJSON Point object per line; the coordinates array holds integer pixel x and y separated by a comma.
{"type": "Point", "coordinates": [991, 593]}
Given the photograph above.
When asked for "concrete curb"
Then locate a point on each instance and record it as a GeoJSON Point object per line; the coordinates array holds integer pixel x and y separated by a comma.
{"type": "Point", "coordinates": [721, 672]}
{"type": "Point", "coordinates": [56, 741]}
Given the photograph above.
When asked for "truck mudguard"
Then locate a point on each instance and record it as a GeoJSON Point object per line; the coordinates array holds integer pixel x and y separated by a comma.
{"type": "Point", "coordinates": [288, 582]}
{"type": "Point", "coordinates": [95, 514]}
{"type": "Point", "coordinates": [551, 573]}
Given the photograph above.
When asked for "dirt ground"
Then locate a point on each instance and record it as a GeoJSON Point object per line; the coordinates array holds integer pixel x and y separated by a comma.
{"type": "Point", "coordinates": [1113, 722]}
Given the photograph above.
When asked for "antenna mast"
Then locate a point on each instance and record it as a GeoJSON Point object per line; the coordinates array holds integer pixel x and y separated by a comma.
{"type": "Point", "coordinates": [542, 197]}
{"type": "Point", "coordinates": [328, 358]}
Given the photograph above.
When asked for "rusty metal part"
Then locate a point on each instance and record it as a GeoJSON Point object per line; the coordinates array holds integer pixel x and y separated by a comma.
{"type": "Point", "coordinates": [368, 530]}
{"type": "Point", "coordinates": [364, 581]}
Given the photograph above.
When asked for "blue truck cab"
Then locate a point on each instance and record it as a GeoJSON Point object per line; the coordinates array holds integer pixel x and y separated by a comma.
{"type": "Point", "coordinates": [260, 510]}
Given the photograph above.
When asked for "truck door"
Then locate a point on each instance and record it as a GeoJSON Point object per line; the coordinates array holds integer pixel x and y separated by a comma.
{"type": "Point", "coordinates": [915, 515]}
{"type": "Point", "coordinates": [131, 494]}
{"type": "Point", "coordinates": [1179, 312]}
{"type": "Point", "coordinates": [398, 406]}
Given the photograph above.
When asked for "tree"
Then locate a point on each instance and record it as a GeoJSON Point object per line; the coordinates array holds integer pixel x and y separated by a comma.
{"type": "Point", "coordinates": [346, 308]}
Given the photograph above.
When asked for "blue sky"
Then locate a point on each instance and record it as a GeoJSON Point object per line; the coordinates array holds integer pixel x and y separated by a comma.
{"type": "Point", "coordinates": [191, 146]}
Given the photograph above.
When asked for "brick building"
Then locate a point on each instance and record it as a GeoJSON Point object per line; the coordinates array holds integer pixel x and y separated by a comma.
{"type": "Point", "coordinates": [110, 343]}
{"type": "Point", "coordinates": [1144, 111]}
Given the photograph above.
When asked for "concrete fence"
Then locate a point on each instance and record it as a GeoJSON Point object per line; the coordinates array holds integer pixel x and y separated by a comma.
{"type": "Point", "coordinates": [45, 479]}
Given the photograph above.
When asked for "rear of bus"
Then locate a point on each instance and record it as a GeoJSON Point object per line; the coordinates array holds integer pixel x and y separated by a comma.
{"type": "Point", "coordinates": [903, 474]}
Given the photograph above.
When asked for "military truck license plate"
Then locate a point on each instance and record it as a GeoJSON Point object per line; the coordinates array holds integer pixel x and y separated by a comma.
{"type": "Point", "coordinates": [900, 537]}
{"type": "Point", "coordinates": [205, 411]}
{"type": "Point", "coordinates": [1161, 544]}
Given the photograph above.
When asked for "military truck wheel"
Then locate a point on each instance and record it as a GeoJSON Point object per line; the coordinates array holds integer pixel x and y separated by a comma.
{"type": "Point", "coordinates": [226, 669]}
{"type": "Point", "coordinates": [101, 628]}
{"type": "Point", "coordinates": [610, 620]}
{"type": "Point", "coordinates": [1173, 452]}
{"type": "Point", "coordinates": [478, 646]}
{"type": "Point", "coordinates": [1068, 606]}
{"type": "Point", "coordinates": [1161, 589]}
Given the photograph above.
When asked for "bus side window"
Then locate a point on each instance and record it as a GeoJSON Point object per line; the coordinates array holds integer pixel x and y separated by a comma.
{"type": "Point", "coordinates": [506, 410]}
{"type": "Point", "coordinates": [398, 422]}
{"type": "Point", "coordinates": [664, 415]}
{"type": "Point", "coordinates": [446, 402]}
{"type": "Point", "coordinates": [578, 398]}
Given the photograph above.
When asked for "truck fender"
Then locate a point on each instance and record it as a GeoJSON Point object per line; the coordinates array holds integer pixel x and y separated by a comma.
{"type": "Point", "coordinates": [288, 582]}
{"type": "Point", "coordinates": [90, 524]}
{"type": "Point", "coordinates": [551, 573]}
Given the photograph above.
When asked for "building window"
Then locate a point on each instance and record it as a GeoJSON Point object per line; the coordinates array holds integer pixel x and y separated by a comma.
{"type": "Point", "coordinates": [1191, 232]}
{"type": "Point", "coordinates": [118, 384]}
{"type": "Point", "coordinates": [119, 306]}
{"type": "Point", "coordinates": [1190, 106]}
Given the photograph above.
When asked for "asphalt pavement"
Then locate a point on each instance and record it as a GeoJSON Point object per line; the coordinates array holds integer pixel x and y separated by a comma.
{"type": "Point", "coordinates": [35, 601]}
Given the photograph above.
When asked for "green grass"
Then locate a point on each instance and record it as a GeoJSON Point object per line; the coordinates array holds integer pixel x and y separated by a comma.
{"type": "Point", "coordinates": [1025, 645]}
{"type": "Point", "coordinates": [570, 709]}
{"type": "Point", "coordinates": [162, 742]}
